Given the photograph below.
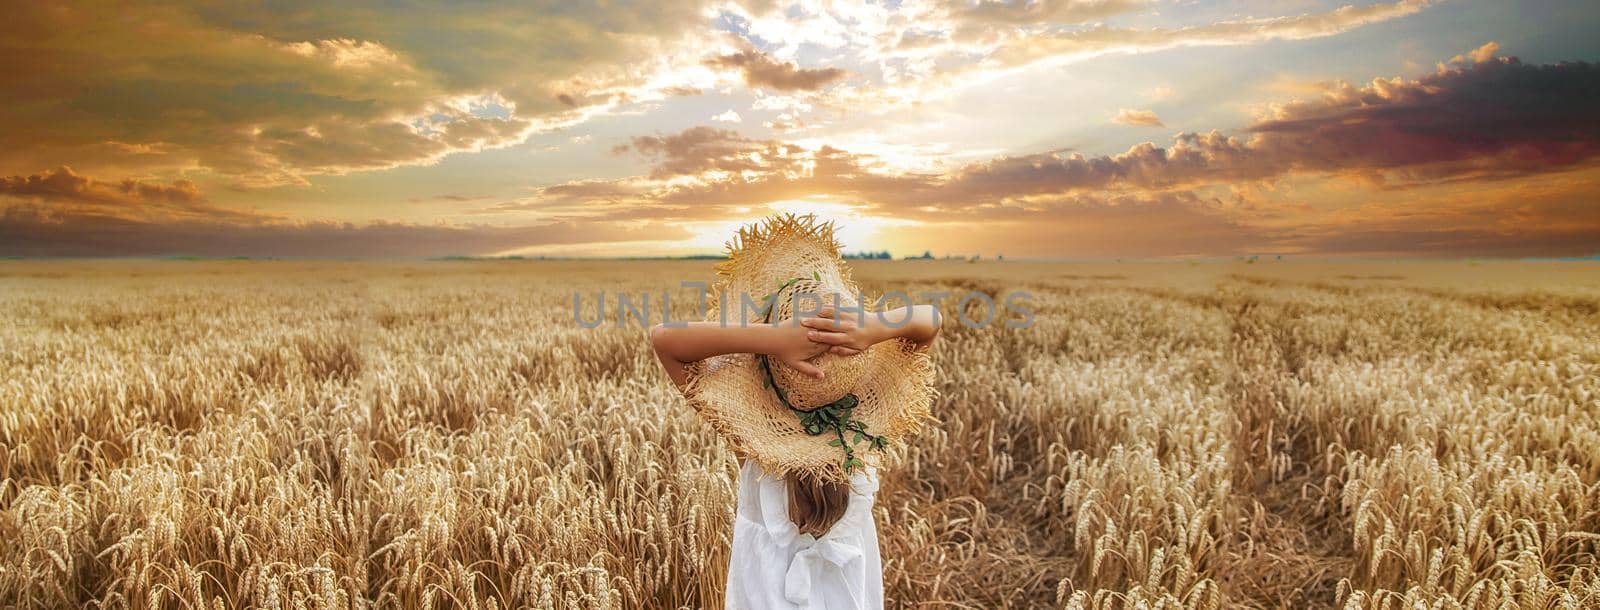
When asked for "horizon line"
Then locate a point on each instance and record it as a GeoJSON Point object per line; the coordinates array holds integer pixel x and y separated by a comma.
{"type": "Point", "coordinates": [1249, 259]}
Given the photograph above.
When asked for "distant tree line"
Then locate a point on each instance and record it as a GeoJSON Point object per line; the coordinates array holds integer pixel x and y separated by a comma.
{"type": "Point", "coordinates": [881, 255]}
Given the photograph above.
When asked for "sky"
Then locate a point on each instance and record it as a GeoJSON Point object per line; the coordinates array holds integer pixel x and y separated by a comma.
{"type": "Point", "coordinates": [1047, 129]}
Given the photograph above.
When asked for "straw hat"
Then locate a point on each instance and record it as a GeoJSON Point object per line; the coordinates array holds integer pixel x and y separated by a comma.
{"type": "Point", "coordinates": [883, 392]}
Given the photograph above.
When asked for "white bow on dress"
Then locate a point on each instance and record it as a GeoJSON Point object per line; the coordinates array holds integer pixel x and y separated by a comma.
{"type": "Point", "coordinates": [810, 564]}
{"type": "Point", "coordinates": [831, 571]}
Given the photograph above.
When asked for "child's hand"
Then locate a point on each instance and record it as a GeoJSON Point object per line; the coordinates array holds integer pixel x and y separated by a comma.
{"type": "Point", "coordinates": [795, 348]}
{"type": "Point", "coordinates": [846, 332]}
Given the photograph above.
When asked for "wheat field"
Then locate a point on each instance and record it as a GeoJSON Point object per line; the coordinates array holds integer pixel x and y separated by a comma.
{"type": "Point", "coordinates": [441, 434]}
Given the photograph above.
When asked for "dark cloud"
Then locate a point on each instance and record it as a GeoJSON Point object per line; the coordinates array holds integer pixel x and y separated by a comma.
{"type": "Point", "coordinates": [34, 231]}
{"type": "Point", "coordinates": [63, 188]}
{"type": "Point", "coordinates": [63, 183]}
{"type": "Point", "coordinates": [1192, 159]}
{"type": "Point", "coordinates": [761, 70]}
{"type": "Point", "coordinates": [62, 213]}
{"type": "Point", "coordinates": [1494, 119]}
{"type": "Point", "coordinates": [702, 149]}
{"type": "Point", "coordinates": [1129, 225]}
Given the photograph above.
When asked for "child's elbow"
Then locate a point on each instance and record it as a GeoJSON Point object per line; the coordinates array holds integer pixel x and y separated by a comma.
{"type": "Point", "coordinates": [661, 338]}
{"type": "Point", "coordinates": [935, 321]}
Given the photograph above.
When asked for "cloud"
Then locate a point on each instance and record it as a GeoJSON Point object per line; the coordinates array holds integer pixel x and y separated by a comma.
{"type": "Point", "coordinates": [912, 39]}
{"type": "Point", "coordinates": [1140, 118]}
{"type": "Point", "coordinates": [706, 149]}
{"type": "Point", "coordinates": [33, 231]}
{"type": "Point", "coordinates": [1490, 119]}
{"type": "Point", "coordinates": [1158, 94]}
{"type": "Point", "coordinates": [1192, 159]}
{"type": "Point", "coordinates": [761, 70]}
{"type": "Point", "coordinates": [1497, 120]}
{"type": "Point", "coordinates": [449, 197]}
{"type": "Point", "coordinates": [1451, 161]}
{"type": "Point", "coordinates": [271, 94]}
{"type": "Point", "coordinates": [575, 199]}
{"type": "Point", "coordinates": [62, 213]}
{"type": "Point", "coordinates": [276, 94]}
{"type": "Point", "coordinates": [1479, 55]}
{"type": "Point", "coordinates": [920, 55]}
{"type": "Point", "coordinates": [1154, 225]}
{"type": "Point", "coordinates": [64, 188]}
{"type": "Point", "coordinates": [727, 117]}
{"type": "Point", "coordinates": [336, 145]}
{"type": "Point", "coordinates": [786, 122]}
{"type": "Point", "coordinates": [1041, 11]}
{"type": "Point", "coordinates": [347, 53]}
{"type": "Point", "coordinates": [1494, 119]}
{"type": "Point", "coordinates": [1057, 45]}
{"type": "Point", "coordinates": [1531, 216]}
{"type": "Point", "coordinates": [63, 183]}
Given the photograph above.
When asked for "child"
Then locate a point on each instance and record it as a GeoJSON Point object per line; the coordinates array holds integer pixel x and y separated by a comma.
{"type": "Point", "coordinates": [810, 389]}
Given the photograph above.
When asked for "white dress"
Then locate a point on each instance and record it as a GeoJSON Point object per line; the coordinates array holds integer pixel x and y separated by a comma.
{"type": "Point", "coordinates": [774, 566]}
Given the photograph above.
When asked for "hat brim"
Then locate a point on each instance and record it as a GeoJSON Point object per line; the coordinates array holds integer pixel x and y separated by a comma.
{"type": "Point", "coordinates": [730, 392]}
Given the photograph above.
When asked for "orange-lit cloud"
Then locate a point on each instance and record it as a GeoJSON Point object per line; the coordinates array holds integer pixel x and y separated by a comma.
{"type": "Point", "coordinates": [64, 189]}
{"type": "Point", "coordinates": [169, 87]}
{"type": "Point", "coordinates": [1137, 118]}
{"type": "Point", "coordinates": [761, 70]}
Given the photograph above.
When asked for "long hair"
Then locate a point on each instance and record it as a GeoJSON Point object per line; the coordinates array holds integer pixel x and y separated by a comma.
{"type": "Point", "coordinates": [815, 505]}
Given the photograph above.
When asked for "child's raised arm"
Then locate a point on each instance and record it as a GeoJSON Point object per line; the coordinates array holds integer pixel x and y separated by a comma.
{"type": "Point", "coordinates": [851, 330]}
{"type": "Point", "coordinates": [680, 345]}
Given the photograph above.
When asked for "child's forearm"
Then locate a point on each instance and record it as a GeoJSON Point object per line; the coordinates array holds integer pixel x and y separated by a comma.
{"type": "Point", "coordinates": [700, 340]}
{"type": "Point", "coordinates": [919, 323]}
{"type": "Point", "coordinates": [677, 346]}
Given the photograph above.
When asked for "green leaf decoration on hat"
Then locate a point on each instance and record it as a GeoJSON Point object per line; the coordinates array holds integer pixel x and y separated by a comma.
{"type": "Point", "coordinates": [837, 416]}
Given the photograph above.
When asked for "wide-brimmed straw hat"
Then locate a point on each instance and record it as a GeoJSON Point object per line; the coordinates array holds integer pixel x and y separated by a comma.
{"type": "Point", "coordinates": [864, 405]}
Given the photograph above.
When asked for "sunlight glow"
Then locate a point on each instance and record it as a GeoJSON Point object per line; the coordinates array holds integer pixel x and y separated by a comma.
{"type": "Point", "coordinates": [858, 229]}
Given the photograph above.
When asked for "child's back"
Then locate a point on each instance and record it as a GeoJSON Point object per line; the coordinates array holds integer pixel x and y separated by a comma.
{"type": "Point", "coordinates": [775, 566]}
